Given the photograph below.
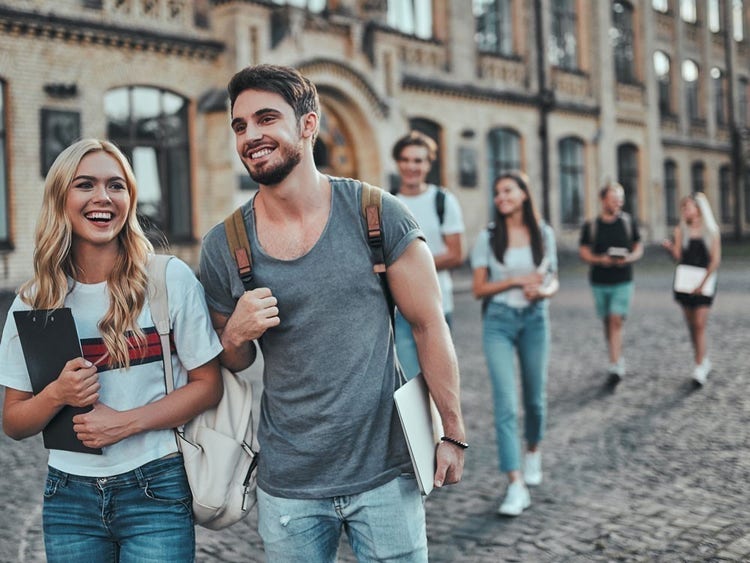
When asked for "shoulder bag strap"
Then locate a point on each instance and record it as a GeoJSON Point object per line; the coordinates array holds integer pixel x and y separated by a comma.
{"type": "Point", "coordinates": [158, 303]}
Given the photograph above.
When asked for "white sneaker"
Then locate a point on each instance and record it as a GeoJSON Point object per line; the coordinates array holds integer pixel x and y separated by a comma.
{"type": "Point", "coordinates": [701, 371]}
{"type": "Point", "coordinates": [516, 500]}
{"type": "Point", "coordinates": [617, 368]}
{"type": "Point", "coordinates": [532, 468]}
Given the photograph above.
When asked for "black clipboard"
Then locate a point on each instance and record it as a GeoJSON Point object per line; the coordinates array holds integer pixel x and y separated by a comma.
{"type": "Point", "coordinates": [49, 339]}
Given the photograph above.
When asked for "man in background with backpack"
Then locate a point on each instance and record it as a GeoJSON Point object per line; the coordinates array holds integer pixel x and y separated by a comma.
{"type": "Point", "coordinates": [333, 454]}
{"type": "Point", "coordinates": [439, 215]}
{"type": "Point", "coordinates": [610, 244]}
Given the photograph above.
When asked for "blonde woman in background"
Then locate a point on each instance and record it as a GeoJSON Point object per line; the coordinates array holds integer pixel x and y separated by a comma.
{"type": "Point", "coordinates": [697, 242]}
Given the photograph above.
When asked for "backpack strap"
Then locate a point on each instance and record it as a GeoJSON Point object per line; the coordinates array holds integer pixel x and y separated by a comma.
{"type": "Point", "coordinates": [239, 247]}
{"type": "Point", "coordinates": [440, 203]}
{"type": "Point", "coordinates": [158, 304]}
{"type": "Point", "coordinates": [372, 207]}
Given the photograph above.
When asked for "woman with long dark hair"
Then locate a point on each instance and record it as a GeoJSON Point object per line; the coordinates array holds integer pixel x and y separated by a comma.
{"type": "Point", "coordinates": [515, 272]}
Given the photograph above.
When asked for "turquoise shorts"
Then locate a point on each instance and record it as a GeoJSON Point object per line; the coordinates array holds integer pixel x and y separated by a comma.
{"type": "Point", "coordinates": [613, 299]}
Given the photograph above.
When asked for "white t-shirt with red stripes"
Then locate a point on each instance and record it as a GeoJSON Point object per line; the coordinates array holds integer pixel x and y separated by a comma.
{"type": "Point", "coordinates": [193, 338]}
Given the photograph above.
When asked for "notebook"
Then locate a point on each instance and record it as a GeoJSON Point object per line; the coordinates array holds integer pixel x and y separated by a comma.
{"type": "Point", "coordinates": [49, 339]}
{"type": "Point", "coordinates": [422, 429]}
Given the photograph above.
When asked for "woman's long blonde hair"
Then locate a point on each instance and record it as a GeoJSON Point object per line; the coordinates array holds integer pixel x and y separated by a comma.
{"type": "Point", "coordinates": [53, 262]}
{"type": "Point", "coordinates": [709, 227]}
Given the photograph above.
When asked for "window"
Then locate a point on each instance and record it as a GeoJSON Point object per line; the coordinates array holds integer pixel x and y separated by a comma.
{"type": "Point", "coordinates": [738, 22]}
{"type": "Point", "coordinates": [434, 132]}
{"type": "Point", "coordinates": [742, 101]}
{"type": "Point", "coordinates": [311, 5]}
{"type": "Point", "coordinates": [494, 26]}
{"type": "Point", "coordinates": [571, 180]}
{"type": "Point", "coordinates": [504, 154]}
{"type": "Point", "coordinates": [725, 193]}
{"type": "Point", "coordinates": [714, 16]}
{"type": "Point", "coordinates": [150, 125]}
{"type": "Point", "coordinates": [660, 5]}
{"type": "Point", "coordinates": [688, 11]}
{"type": "Point", "coordinates": [697, 177]}
{"type": "Point", "coordinates": [670, 192]}
{"type": "Point", "coordinates": [747, 194]}
{"type": "Point", "coordinates": [627, 175]}
{"type": "Point", "coordinates": [413, 17]}
{"type": "Point", "coordinates": [4, 219]}
{"type": "Point", "coordinates": [662, 67]}
{"type": "Point", "coordinates": [563, 51]}
{"type": "Point", "coordinates": [690, 74]}
{"type": "Point", "coordinates": [719, 87]}
{"type": "Point", "coordinates": [622, 38]}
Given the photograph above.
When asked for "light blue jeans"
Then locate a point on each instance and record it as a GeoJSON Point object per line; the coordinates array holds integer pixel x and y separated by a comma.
{"type": "Point", "coordinates": [384, 524]}
{"type": "Point", "coordinates": [141, 516]}
{"type": "Point", "coordinates": [406, 347]}
{"type": "Point", "coordinates": [523, 331]}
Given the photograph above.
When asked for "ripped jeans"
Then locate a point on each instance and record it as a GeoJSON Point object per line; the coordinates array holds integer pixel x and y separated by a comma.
{"type": "Point", "coordinates": [386, 523]}
{"type": "Point", "coordinates": [142, 515]}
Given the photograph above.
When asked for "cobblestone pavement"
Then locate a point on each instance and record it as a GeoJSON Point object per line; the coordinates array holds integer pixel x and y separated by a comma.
{"type": "Point", "coordinates": [652, 471]}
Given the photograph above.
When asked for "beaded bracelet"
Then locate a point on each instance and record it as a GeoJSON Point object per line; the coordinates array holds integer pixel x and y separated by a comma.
{"type": "Point", "coordinates": [459, 443]}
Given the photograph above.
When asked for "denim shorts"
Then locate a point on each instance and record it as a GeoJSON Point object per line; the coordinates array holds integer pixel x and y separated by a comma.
{"type": "Point", "coordinates": [142, 515]}
{"type": "Point", "coordinates": [612, 299]}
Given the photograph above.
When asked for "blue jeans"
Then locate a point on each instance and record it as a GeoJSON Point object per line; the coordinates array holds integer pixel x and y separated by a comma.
{"type": "Point", "coordinates": [141, 516]}
{"type": "Point", "coordinates": [406, 347]}
{"type": "Point", "coordinates": [524, 331]}
{"type": "Point", "coordinates": [384, 524]}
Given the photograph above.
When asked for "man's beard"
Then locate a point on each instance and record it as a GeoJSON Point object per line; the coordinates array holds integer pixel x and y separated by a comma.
{"type": "Point", "coordinates": [271, 175]}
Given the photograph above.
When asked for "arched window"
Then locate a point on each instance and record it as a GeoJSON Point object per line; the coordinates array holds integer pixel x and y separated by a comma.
{"type": "Point", "coordinates": [720, 98]}
{"type": "Point", "coordinates": [688, 11]}
{"type": "Point", "coordinates": [150, 125]}
{"type": "Point", "coordinates": [494, 25]}
{"type": "Point", "coordinates": [413, 17]}
{"type": "Point", "coordinates": [623, 40]}
{"type": "Point", "coordinates": [663, 69]}
{"type": "Point", "coordinates": [434, 132]}
{"type": "Point", "coordinates": [571, 180]}
{"type": "Point", "coordinates": [714, 16]}
{"type": "Point", "coordinates": [4, 219]}
{"type": "Point", "coordinates": [504, 154]}
{"type": "Point", "coordinates": [660, 5]}
{"type": "Point", "coordinates": [563, 50]}
{"type": "Point", "coordinates": [738, 20]}
{"type": "Point", "coordinates": [698, 177]}
{"type": "Point", "coordinates": [725, 194]}
{"type": "Point", "coordinates": [670, 192]}
{"type": "Point", "coordinates": [311, 5]}
{"type": "Point", "coordinates": [627, 175]}
{"type": "Point", "coordinates": [690, 76]}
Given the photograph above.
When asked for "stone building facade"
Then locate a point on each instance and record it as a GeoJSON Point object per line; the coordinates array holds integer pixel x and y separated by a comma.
{"type": "Point", "coordinates": [653, 93]}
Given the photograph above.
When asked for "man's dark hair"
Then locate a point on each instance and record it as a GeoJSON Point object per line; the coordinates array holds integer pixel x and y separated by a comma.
{"type": "Point", "coordinates": [285, 81]}
{"type": "Point", "coordinates": [415, 138]}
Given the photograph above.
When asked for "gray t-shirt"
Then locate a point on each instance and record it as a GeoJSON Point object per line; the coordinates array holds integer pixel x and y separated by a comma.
{"type": "Point", "coordinates": [328, 426]}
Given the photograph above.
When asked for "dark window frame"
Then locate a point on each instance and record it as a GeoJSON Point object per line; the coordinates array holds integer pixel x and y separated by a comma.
{"type": "Point", "coordinates": [565, 25]}
{"type": "Point", "coordinates": [624, 47]}
{"type": "Point", "coordinates": [572, 179]}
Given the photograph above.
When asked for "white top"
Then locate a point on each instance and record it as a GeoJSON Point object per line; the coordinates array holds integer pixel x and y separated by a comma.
{"type": "Point", "coordinates": [518, 261]}
{"type": "Point", "coordinates": [122, 389]}
{"type": "Point", "coordinates": [423, 208]}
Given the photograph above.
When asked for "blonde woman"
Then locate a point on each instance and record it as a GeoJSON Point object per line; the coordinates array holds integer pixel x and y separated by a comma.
{"type": "Point", "coordinates": [697, 242]}
{"type": "Point", "coordinates": [133, 501]}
